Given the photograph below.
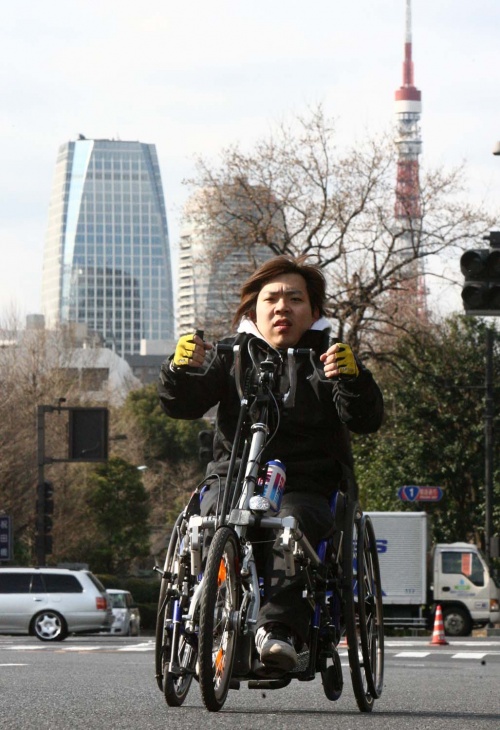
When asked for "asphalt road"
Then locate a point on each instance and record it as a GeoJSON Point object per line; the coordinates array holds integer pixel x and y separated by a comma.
{"type": "Point", "coordinates": [108, 682]}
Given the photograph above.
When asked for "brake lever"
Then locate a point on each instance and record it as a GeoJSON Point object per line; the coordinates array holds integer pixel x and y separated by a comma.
{"type": "Point", "coordinates": [219, 347]}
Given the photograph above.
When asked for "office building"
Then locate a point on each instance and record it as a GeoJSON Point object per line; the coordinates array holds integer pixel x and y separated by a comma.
{"type": "Point", "coordinates": [219, 248]}
{"type": "Point", "coordinates": [107, 257]}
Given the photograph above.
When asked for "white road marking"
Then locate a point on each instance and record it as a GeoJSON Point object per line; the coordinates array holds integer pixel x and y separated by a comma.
{"type": "Point", "coordinates": [469, 655]}
{"type": "Point", "coordinates": [82, 648]}
{"type": "Point", "coordinates": [412, 654]}
{"type": "Point", "coordinates": [29, 647]}
{"type": "Point", "coordinates": [453, 642]}
{"type": "Point", "coordinates": [148, 646]}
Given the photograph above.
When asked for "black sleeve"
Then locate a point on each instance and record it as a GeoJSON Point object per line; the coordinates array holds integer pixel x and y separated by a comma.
{"type": "Point", "coordinates": [184, 395]}
{"type": "Point", "coordinates": [359, 402]}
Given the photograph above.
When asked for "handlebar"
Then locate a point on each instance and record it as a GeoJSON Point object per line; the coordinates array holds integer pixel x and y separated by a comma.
{"type": "Point", "coordinates": [269, 366]}
{"type": "Point", "coordinates": [267, 369]}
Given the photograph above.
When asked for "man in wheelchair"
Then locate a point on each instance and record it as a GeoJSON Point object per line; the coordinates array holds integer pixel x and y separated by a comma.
{"type": "Point", "coordinates": [283, 304]}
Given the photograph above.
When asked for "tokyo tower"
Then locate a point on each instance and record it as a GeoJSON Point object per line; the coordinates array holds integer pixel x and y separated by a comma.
{"type": "Point", "coordinates": [407, 207]}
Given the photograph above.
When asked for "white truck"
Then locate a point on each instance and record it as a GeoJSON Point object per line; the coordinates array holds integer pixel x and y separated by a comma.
{"type": "Point", "coordinates": [417, 577]}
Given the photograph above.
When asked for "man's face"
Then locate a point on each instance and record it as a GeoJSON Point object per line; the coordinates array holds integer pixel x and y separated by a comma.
{"type": "Point", "coordinates": [283, 311]}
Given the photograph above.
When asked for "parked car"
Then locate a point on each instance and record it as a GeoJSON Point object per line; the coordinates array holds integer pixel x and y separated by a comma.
{"type": "Point", "coordinates": [51, 603]}
{"type": "Point", "coordinates": [126, 616]}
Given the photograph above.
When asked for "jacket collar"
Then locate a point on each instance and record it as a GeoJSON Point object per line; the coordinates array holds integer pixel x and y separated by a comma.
{"type": "Point", "coordinates": [249, 327]}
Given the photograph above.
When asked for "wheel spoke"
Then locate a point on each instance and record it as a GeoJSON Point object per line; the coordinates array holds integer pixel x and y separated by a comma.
{"type": "Point", "coordinates": [218, 607]}
{"type": "Point", "coordinates": [175, 650]}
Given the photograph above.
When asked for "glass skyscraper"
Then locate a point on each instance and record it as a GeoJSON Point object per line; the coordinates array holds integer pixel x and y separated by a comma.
{"type": "Point", "coordinates": [107, 256]}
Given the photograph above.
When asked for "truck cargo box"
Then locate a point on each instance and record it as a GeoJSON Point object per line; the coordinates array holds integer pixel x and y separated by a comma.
{"type": "Point", "coordinates": [402, 546]}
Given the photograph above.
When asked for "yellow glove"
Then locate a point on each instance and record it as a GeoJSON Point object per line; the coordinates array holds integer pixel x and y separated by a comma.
{"type": "Point", "coordinates": [184, 350]}
{"type": "Point", "coordinates": [346, 362]}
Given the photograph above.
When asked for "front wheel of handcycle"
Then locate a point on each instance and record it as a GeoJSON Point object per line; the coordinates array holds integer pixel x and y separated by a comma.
{"type": "Point", "coordinates": [219, 606]}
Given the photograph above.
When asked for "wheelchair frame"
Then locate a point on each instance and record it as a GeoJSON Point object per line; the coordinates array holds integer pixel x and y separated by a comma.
{"type": "Point", "coordinates": [209, 601]}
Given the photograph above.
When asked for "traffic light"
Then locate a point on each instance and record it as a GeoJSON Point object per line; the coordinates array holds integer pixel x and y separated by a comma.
{"type": "Point", "coordinates": [206, 451]}
{"type": "Point", "coordinates": [44, 511]}
{"type": "Point", "coordinates": [481, 269]}
{"type": "Point", "coordinates": [88, 434]}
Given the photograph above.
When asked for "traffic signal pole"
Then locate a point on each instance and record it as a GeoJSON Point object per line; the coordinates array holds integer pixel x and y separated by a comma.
{"type": "Point", "coordinates": [88, 441]}
{"type": "Point", "coordinates": [488, 444]}
{"type": "Point", "coordinates": [40, 554]}
{"type": "Point", "coordinates": [481, 297]}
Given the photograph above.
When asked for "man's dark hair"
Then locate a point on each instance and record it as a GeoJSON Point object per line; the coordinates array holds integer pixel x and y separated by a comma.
{"type": "Point", "coordinates": [313, 276]}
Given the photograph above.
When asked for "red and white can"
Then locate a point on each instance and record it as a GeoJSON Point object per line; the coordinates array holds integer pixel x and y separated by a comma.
{"type": "Point", "coordinates": [274, 483]}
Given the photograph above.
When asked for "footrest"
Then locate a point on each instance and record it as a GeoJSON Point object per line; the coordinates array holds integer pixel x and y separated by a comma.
{"type": "Point", "coordinates": [302, 662]}
{"type": "Point", "coordinates": [268, 683]}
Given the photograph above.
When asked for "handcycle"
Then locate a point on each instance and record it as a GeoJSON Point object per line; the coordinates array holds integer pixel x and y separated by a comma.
{"type": "Point", "coordinates": [211, 590]}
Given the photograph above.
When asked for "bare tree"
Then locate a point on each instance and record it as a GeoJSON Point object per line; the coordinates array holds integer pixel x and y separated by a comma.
{"type": "Point", "coordinates": [298, 194]}
{"type": "Point", "coordinates": [38, 367]}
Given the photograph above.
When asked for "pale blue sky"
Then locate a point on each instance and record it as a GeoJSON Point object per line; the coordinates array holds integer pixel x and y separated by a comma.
{"type": "Point", "coordinates": [194, 77]}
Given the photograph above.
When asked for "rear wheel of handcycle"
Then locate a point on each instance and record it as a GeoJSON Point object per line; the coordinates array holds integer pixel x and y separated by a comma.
{"type": "Point", "coordinates": [371, 614]}
{"type": "Point", "coordinates": [175, 686]}
{"type": "Point", "coordinates": [350, 605]}
{"type": "Point", "coordinates": [166, 583]}
{"type": "Point", "coordinates": [220, 600]}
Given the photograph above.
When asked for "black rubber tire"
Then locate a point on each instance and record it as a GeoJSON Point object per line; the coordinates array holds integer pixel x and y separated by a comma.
{"type": "Point", "coordinates": [371, 612]}
{"type": "Point", "coordinates": [176, 688]}
{"type": "Point", "coordinates": [332, 679]}
{"type": "Point", "coordinates": [220, 601]}
{"type": "Point", "coordinates": [456, 621]}
{"type": "Point", "coordinates": [350, 607]}
{"type": "Point", "coordinates": [49, 626]}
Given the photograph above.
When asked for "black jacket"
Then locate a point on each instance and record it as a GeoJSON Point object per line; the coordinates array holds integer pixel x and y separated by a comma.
{"type": "Point", "coordinates": [313, 437]}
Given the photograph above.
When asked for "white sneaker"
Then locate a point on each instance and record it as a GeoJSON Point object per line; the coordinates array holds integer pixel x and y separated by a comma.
{"type": "Point", "coordinates": [274, 643]}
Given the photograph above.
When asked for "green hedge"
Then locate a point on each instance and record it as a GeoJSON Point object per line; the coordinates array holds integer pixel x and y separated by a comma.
{"type": "Point", "coordinates": [148, 615]}
{"type": "Point", "coordinates": [145, 592]}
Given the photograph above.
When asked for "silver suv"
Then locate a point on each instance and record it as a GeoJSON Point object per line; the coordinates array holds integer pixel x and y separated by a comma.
{"type": "Point", "coordinates": [52, 603]}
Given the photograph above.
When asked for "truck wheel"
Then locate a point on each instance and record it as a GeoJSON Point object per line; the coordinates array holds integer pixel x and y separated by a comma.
{"type": "Point", "coordinates": [456, 621]}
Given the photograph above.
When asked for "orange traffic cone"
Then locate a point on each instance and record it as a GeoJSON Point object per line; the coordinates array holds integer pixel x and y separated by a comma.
{"type": "Point", "coordinates": [438, 636]}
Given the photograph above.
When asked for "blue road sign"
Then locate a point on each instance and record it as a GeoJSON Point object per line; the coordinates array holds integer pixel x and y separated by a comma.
{"type": "Point", "coordinates": [6, 552]}
{"type": "Point", "coordinates": [412, 493]}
